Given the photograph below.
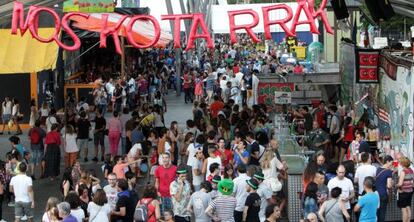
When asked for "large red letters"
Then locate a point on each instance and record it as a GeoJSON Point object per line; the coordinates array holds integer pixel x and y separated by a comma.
{"type": "Point", "coordinates": [247, 27]}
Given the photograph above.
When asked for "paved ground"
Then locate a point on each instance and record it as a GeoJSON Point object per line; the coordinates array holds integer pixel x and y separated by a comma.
{"type": "Point", "coordinates": [177, 110]}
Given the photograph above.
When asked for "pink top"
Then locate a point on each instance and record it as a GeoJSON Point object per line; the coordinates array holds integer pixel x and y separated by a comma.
{"type": "Point", "coordinates": [119, 170]}
{"type": "Point", "coordinates": [114, 125]}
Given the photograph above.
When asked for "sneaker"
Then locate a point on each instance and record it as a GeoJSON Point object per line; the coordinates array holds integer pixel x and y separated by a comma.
{"type": "Point", "coordinates": [24, 217]}
{"type": "Point", "coordinates": [10, 204]}
{"type": "Point", "coordinates": [86, 159]}
{"type": "Point", "coordinates": [95, 159]}
{"type": "Point", "coordinates": [2, 220]}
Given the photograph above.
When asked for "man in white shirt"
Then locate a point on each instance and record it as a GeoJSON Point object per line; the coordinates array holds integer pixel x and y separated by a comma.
{"type": "Point", "coordinates": [363, 171]}
{"type": "Point", "coordinates": [111, 190]}
{"type": "Point", "coordinates": [345, 184]}
{"type": "Point", "coordinates": [265, 194]}
{"type": "Point", "coordinates": [22, 187]}
{"type": "Point", "coordinates": [240, 191]}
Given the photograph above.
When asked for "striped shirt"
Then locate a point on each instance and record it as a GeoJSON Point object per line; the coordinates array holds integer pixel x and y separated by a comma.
{"type": "Point", "coordinates": [224, 207]}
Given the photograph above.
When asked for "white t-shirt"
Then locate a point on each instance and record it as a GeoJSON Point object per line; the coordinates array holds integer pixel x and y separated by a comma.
{"type": "Point", "coordinates": [98, 213]}
{"type": "Point", "coordinates": [191, 153]}
{"type": "Point", "coordinates": [21, 184]}
{"type": "Point", "coordinates": [70, 143]}
{"type": "Point", "coordinates": [7, 108]}
{"type": "Point", "coordinates": [111, 195]}
{"type": "Point", "coordinates": [265, 193]}
{"type": "Point", "coordinates": [211, 161]}
{"type": "Point", "coordinates": [362, 172]}
{"type": "Point", "coordinates": [197, 164]}
{"type": "Point", "coordinates": [345, 184]}
{"type": "Point", "coordinates": [49, 122]}
{"type": "Point", "coordinates": [133, 152]}
{"type": "Point", "coordinates": [78, 213]}
{"type": "Point", "coordinates": [167, 148]}
{"type": "Point", "coordinates": [239, 191]}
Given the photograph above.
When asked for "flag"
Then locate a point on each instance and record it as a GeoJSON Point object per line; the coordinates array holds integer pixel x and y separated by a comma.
{"type": "Point", "coordinates": [384, 116]}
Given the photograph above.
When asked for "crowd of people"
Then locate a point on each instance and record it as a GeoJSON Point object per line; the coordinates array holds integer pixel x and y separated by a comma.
{"type": "Point", "coordinates": [223, 165]}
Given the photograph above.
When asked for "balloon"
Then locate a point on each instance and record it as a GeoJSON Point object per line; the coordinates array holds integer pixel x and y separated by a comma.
{"type": "Point", "coordinates": [281, 22]}
{"type": "Point", "coordinates": [157, 31]}
{"type": "Point", "coordinates": [205, 34]}
{"type": "Point", "coordinates": [106, 30]}
{"type": "Point", "coordinates": [177, 26]}
{"type": "Point", "coordinates": [310, 19]}
{"type": "Point", "coordinates": [18, 18]}
{"type": "Point", "coordinates": [34, 21]}
{"type": "Point", "coordinates": [76, 41]}
{"type": "Point", "coordinates": [321, 12]}
{"type": "Point", "coordinates": [247, 27]}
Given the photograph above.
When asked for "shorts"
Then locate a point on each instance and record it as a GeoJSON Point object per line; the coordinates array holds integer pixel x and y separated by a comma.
{"type": "Point", "coordinates": [83, 143]}
{"type": "Point", "coordinates": [404, 199]}
{"type": "Point", "coordinates": [345, 145]}
{"type": "Point", "coordinates": [99, 139]}
{"type": "Point", "coordinates": [23, 208]}
{"type": "Point", "coordinates": [37, 155]}
{"type": "Point", "coordinates": [6, 117]}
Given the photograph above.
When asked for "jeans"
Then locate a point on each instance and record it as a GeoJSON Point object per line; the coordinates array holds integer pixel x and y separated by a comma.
{"type": "Point", "coordinates": [238, 216]}
{"type": "Point", "coordinates": [382, 210]}
{"type": "Point", "coordinates": [166, 204]}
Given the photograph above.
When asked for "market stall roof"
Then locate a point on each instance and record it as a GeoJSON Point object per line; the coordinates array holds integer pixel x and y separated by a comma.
{"type": "Point", "coordinates": [402, 7]}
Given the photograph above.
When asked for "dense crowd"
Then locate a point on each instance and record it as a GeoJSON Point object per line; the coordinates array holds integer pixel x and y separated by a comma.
{"type": "Point", "coordinates": [223, 165]}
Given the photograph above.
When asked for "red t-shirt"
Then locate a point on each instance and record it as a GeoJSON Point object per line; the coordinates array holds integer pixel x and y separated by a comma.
{"type": "Point", "coordinates": [298, 70]}
{"type": "Point", "coordinates": [187, 84]}
{"type": "Point", "coordinates": [320, 118]}
{"type": "Point", "coordinates": [165, 176]}
{"type": "Point", "coordinates": [229, 157]}
{"type": "Point", "coordinates": [236, 69]}
{"type": "Point", "coordinates": [349, 134]}
{"type": "Point", "coordinates": [215, 108]}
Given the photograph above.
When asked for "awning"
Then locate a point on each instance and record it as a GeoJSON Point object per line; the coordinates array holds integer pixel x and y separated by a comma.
{"type": "Point", "coordinates": [24, 54]}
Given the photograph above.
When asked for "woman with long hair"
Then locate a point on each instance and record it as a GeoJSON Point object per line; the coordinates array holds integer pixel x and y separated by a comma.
{"type": "Point", "coordinates": [310, 204]}
{"type": "Point", "coordinates": [16, 116]}
{"type": "Point", "coordinates": [348, 135]}
{"type": "Point", "coordinates": [70, 146]}
{"type": "Point", "coordinates": [6, 113]}
{"type": "Point", "coordinates": [99, 209]}
{"type": "Point", "coordinates": [83, 195]}
{"type": "Point", "coordinates": [184, 152]}
{"type": "Point", "coordinates": [89, 181]}
{"type": "Point", "coordinates": [114, 133]}
{"type": "Point", "coordinates": [67, 182]}
{"type": "Point", "coordinates": [224, 129]}
{"type": "Point", "coordinates": [51, 212]}
{"type": "Point", "coordinates": [173, 135]}
{"type": "Point", "coordinates": [309, 174]}
{"type": "Point", "coordinates": [52, 152]}
{"type": "Point", "coordinates": [405, 189]}
{"type": "Point", "coordinates": [150, 198]}
{"type": "Point", "coordinates": [228, 172]}
{"type": "Point", "coordinates": [33, 113]}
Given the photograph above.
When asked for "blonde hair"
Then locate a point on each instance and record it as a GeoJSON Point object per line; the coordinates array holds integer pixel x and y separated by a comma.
{"type": "Point", "coordinates": [52, 202]}
{"type": "Point", "coordinates": [405, 162]}
{"type": "Point", "coordinates": [267, 158]}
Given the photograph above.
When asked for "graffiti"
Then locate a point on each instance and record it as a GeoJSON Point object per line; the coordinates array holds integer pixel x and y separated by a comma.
{"type": "Point", "coordinates": [267, 91]}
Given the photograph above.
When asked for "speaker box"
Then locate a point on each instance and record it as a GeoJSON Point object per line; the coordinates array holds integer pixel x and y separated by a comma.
{"type": "Point", "coordinates": [340, 9]}
{"type": "Point", "coordinates": [380, 9]}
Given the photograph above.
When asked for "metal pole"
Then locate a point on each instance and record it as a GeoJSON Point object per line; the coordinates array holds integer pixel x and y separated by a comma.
{"type": "Point", "coordinates": [177, 52]}
{"type": "Point", "coordinates": [123, 58]}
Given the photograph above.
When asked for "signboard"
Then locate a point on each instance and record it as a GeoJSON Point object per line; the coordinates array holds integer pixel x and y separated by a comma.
{"type": "Point", "coordinates": [88, 6]}
{"type": "Point", "coordinates": [267, 91]}
{"type": "Point", "coordinates": [283, 97]}
{"type": "Point", "coordinates": [367, 61]}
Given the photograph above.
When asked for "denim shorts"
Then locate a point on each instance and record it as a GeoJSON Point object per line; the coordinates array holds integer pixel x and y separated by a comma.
{"type": "Point", "coordinates": [83, 143]}
{"type": "Point", "coordinates": [37, 156]}
{"type": "Point", "coordinates": [23, 208]}
{"type": "Point", "coordinates": [99, 138]}
{"type": "Point", "coordinates": [6, 117]}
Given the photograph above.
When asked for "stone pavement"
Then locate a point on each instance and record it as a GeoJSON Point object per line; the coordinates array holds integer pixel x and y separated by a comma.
{"type": "Point", "coordinates": [43, 189]}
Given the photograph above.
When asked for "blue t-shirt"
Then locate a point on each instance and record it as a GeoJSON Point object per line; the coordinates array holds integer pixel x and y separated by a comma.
{"type": "Point", "coordinates": [369, 204]}
{"type": "Point", "coordinates": [70, 218]}
{"type": "Point", "coordinates": [237, 159]}
{"type": "Point", "coordinates": [20, 149]}
{"type": "Point", "coordinates": [381, 181]}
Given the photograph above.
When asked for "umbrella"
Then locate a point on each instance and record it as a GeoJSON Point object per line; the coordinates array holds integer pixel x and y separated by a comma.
{"type": "Point", "coordinates": [143, 31]}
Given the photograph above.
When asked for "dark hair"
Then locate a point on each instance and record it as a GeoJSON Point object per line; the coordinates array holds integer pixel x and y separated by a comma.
{"type": "Point", "coordinates": [14, 139]}
{"type": "Point", "coordinates": [311, 190]}
{"type": "Point", "coordinates": [82, 188]}
{"type": "Point", "coordinates": [213, 167]}
{"type": "Point", "coordinates": [37, 123]}
{"type": "Point", "coordinates": [200, 139]}
{"type": "Point", "coordinates": [129, 175]}
{"type": "Point", "coordinates": [241, 168]}
{"type": "Point", "coordinates": [226, 168]}
{"type": "Point", "coordinates": [211, 135]}
{"type": "Point", "coordinates": [369, 182]}
{"type": "Point", "coordinates": [125, 110]}
{"type": "Point", "coordinates": [117, 158]}
{"type": "Point", "coordinates": [270, 209]}
{"type": "Point", "coordinates": [123, 184]}
{"type": "Point", "coordinates": [100, 198]}
{"type": "Point", "coordinates": [364, 157]}
{"type": "Point", "coordinates": [190, 123]}
{"type": "Point", "coordinates": [361, 133]}
{"type": "Point", "coordinates": [250, 134]}
{"type": "Point", "coordinates": [82, 114]}
{"type": "Point", "coordinates": [67, 176]}
{"type": "Point", "coordinates": [388, 158]}
{"type": "Point", "coordinates": [73, 198]}
{"type": "Point", "coordinates": [206, 185]}
{"type": "Point", "coordinates": [305, 108]}
{"type": "Point", "coordinates": [336, 192]}
{"type": "Point", "coordinates": [150, 192]}
{"type": "Point", "coordinates": [116, 113]}
{"type": "Point", "coordinates": [22, 167]}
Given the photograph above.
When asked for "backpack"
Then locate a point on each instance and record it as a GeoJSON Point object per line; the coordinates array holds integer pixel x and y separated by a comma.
{"type": "Point", "coordinates": [34, 136]}
{"type": "Point", "coordinates": [141, 212]}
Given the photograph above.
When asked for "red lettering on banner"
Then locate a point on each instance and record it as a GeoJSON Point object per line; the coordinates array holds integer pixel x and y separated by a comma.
{"type": "Point", "coordinates": [205, 34]}
{"type": "Point", "coordinates": [247, 27]}
{"type": "Point", "coordinates": [310, 19]}
{"type": "Point", "coordinates": [106, 30]}
{"type": "Point", "coordinates": [70, 32]}
{"type": "Point", "coordinates": [177, 26]}
{"type": "Point", "coordinates": [281, 22]}
{"type": "Point", "coordinates": [157, 31]}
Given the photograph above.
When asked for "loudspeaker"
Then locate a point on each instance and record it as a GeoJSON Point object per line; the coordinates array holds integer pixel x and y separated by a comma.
{"type": "Point", "coordinates": [380, 9]}
{"type": "Point", "coordinates": [340, 9]}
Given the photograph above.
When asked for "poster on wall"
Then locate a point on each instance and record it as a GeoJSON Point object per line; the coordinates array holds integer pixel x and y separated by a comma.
{"type": "Point", "coordinates": [366, 65]}
{"type": "Point", "coordinates": [88, 6]}
{"type": "Point", "coordinates": [267, 91]}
